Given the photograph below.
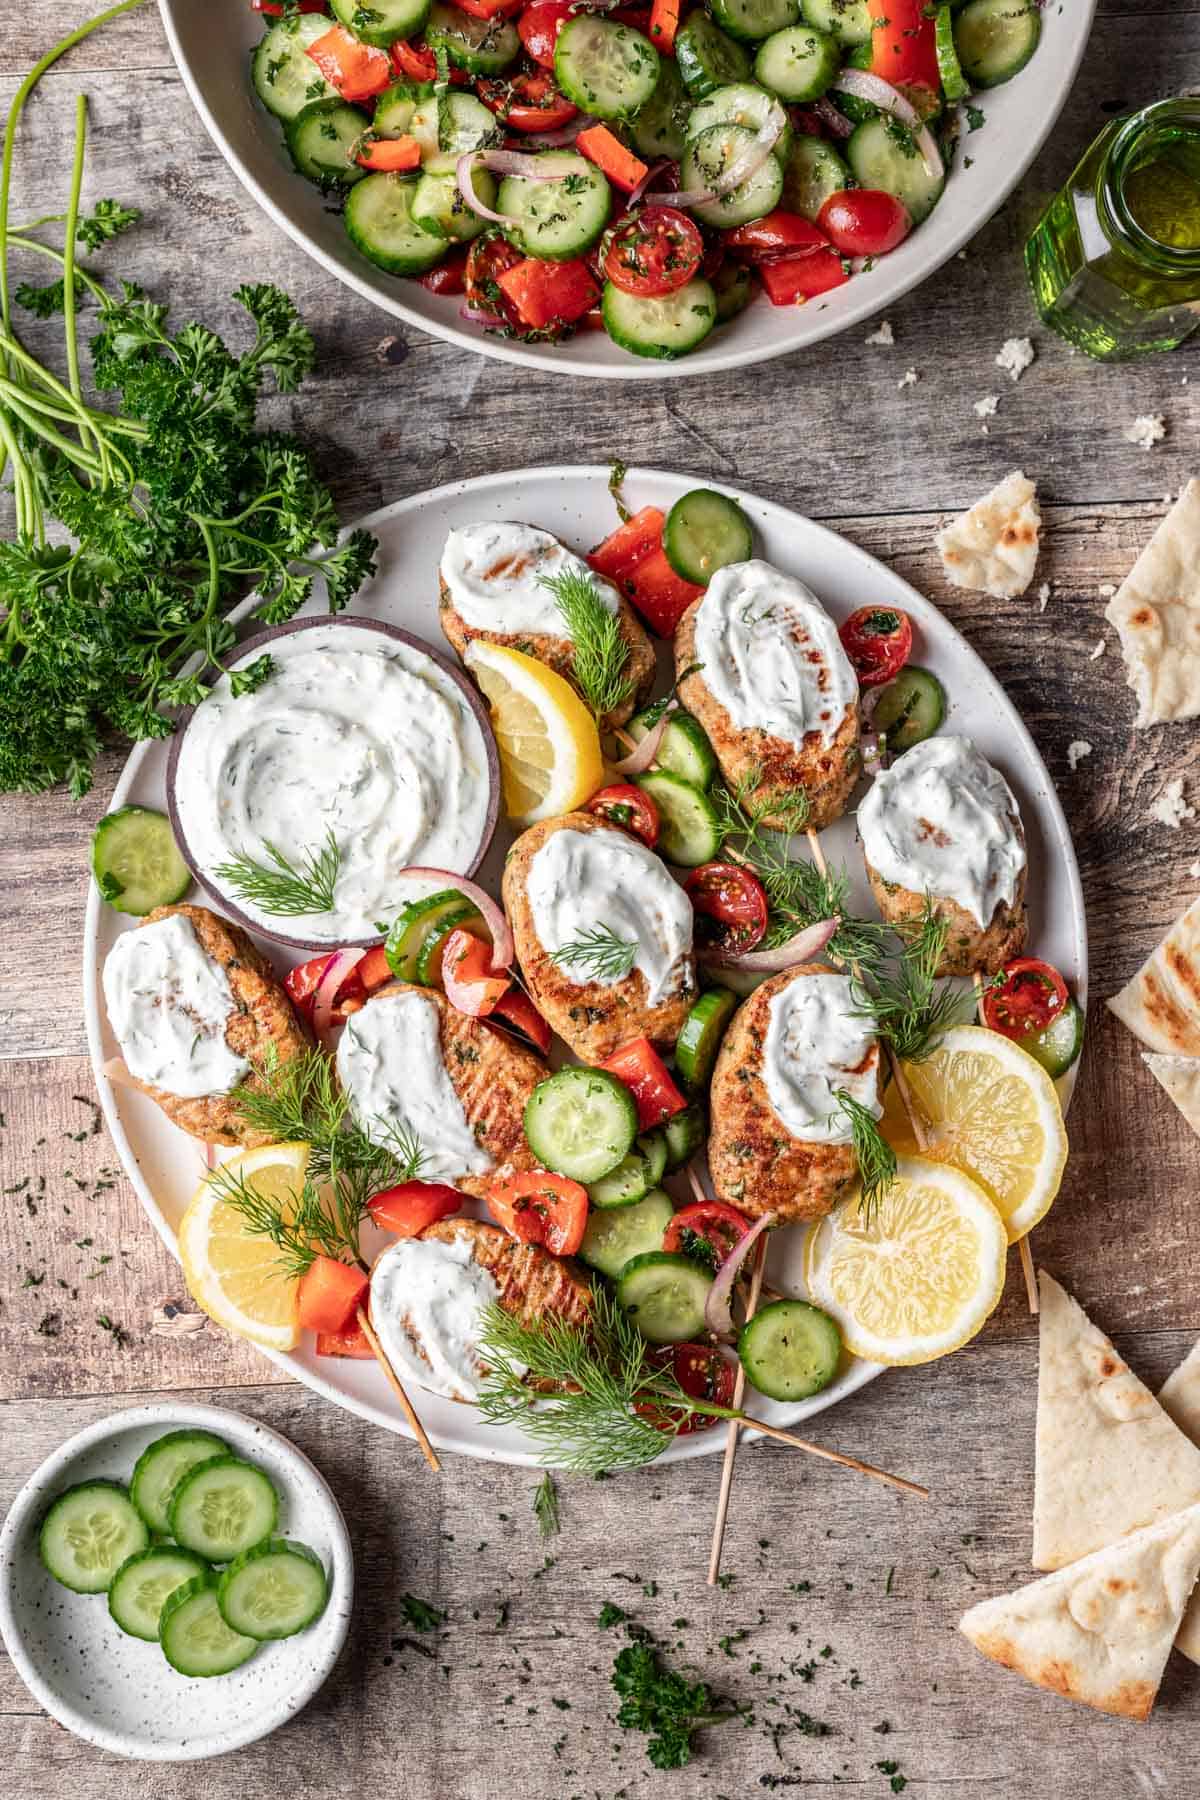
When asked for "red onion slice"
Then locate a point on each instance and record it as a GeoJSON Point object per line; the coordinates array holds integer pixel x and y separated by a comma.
{"type": "Point", "coordinates": [473, 316]}
{"type": "Point", "coordinates": [558, 140]}
{"type": "Point", "coordinates": [499, 162]}
{"type": "Point", "coordinates": [718, 1314]}
{"type": "Point", "coordinates": [640, 758]}
{"type": "Point", "coordinates": [802, 948]}
{"type": "Point", "coordinates": [210, 1157]}
{"type": "Point", "coordinates": [652, 174]}
{"type": "Point", "coordinates": [881, 93]}
{"type": "Point", "coordinates": [504, 951]}
{"type": "Point", "coordinates": [340, 964]}
{"type": "Point", "coordinates": [754, 155]}
{"type": "Point", "coordinates": [831, 118]}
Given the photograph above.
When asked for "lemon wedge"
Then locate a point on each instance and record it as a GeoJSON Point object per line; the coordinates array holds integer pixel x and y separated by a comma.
{"type": "Point", "coordinates": [238, 1276]}
{"type": "Point", "coordinates": [550, 758]}
{"type": "Point", "coordinates": [920, 1275]}
{"type": "Point", "coordinates": [989, 1109]}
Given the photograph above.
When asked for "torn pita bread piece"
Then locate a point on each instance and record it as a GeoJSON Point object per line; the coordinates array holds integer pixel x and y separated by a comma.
{"type": "Point", "coordinates": [1179, 1077]}
{"type": "Point", "coordinates": [1156, 611]}
{"type": "Point", "coordinates": [1099, 1632]}
{"type": "Point", "coordinates": [1179, 1397]}
{"type": "Point", "coordinates": [1161, 1005]}
{"type": "Point", "coordinates": [1109, 1460]}
{"type": "Point", "coordinates": [993, 547]}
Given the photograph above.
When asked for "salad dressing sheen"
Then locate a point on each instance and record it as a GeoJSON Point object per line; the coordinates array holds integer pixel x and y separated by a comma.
{"type": "Point", "coordinates": [494, 575]}
{"type": "Point", "coordinates": [814, 1048]}
{"type": "Point", "coordinates": [168, 1003]}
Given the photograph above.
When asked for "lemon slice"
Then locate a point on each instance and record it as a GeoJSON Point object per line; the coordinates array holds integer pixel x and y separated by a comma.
{"type": "Point", "coordinates": [236, 1275]}
{"type": "Point", "coordinates": [550, 757]}
{"type": "Point", "coordinates": [918, 1277]}
{"type": "Point", "coordinates": [992, 1111]}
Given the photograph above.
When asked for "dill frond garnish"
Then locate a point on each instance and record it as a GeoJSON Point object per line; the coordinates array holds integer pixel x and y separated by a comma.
{"type": "Point", "coordinates": [601, 654]}
{"type": "Point", "coordinates": [545, 1507]}
{"type": "Point", "coordinates": [283, 889]}
{"type": "Point", "coordinates": [904, 1002]}
{"type": "Point", "coordinates": [600, 952]}
{"type": "Point", "coordinates": [876, 1158]}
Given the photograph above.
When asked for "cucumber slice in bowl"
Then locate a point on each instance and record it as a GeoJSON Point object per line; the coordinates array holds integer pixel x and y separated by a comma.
{"type": "Point", "coordinates": [144, 1583]}
{"type": "Point", "coordinates": [89, 1531]}
{"type": "Point", "coordinates": [383, 21]}
{"type": "Point", "coordinates": [323, 140]}
{"type": "Point", "coordinates": [136, 861]}
{"type": "Point", "coordinates": [607, 69]}
{"type": "Point", "coordinates": [285, 78]}
{"type": "Point", "coordinates": [616, 1237]}
{"type": "Point", "coordinates": [195, 1638]}
{"type": "Point", "coordinates": [481, 46]}
{"type": "Point", "coordinates": [221, 1507]}
{"type": "Point", "coordinates": [581, 1123]}
{"type": "Point", "coordinates": [689, 829]}
{"type": "Point", "coordinates": [161, 1467]}
{"type": "Point", "coordinates": [560, 219]}
{"type": "Point", "coordinates": [664, 1295]}
{"type": "Point", "coordinates": [790, 1349]}
{"type": "Point", "coordinates": [707, 58]}
{"type": "Point", "coordinates": [994, 39]}
{"type": "Point", "coordinates": [379, 222]}
{"type": "Point", "coordinates": [273, 1590]}
{"type": "Point", "coordinates": [710, 155]}
{"type": "Point", "coordinates": [684, 1134]}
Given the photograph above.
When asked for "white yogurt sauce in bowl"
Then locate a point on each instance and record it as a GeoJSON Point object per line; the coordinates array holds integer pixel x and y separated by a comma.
{"type": "Point", "coordinates": [360, 731]}
{"type": "Point", "coordinates": [943, 821]}
{"type": "Point", "coordinates": [494, 575]}
{"type": "Point", "coordinates": [771, 655]}
{"type": "Point", "coordinates": [581, 882]}
{"type": "Point", "coordinates": [168, 1004]}
{"type": "Point", "coordinates": [427, 1292]}
{"type": "Point", "coordinates": [814, 1048]}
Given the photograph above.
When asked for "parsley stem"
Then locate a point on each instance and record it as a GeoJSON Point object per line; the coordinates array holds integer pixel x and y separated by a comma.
{"type": "Point", "coordinates": [214, 567]}
{"type": "Point", "coordinates": [17, 241]}
{"type": "Point", "coordinates": [69, 330]}
{"type": "Point", "coordinates": [75, 452]}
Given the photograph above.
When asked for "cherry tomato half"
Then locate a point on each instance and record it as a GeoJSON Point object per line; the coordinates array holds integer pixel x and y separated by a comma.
{"type": "Point", "coordinates": [539, 26]}
{"type": "Point", "coordinates": [449, 276]}
{"type": "Point", "coordinates": [528, 102]}
{"type": "Point", "coordinates": [653, 251]}
{"type": "Point", "coordinates": [414, 62]}
{"type": "Point", "coordinates": [1024, 998]}
{"type": "Point", "coordinates": [878, 641]}
{"type": "Point", "coordinates": [626, 805]}
{"type": "Point", "coordinates": [537, 1208]}
{"type": "Point", "coordinates": [718, 1227]}
{"type": "Point", "coordinates": [703, 1374]}
{"type": "Point", "coordinates": [408, 1208]}
{"type": "Point", "coordinates": [779, 233]}
{"type": "Point", "coordinates": [487, 260]}
{"type": "Point", "coordinates": [864, 221]}
{"type": "Point", "coordinates": [730, 904]}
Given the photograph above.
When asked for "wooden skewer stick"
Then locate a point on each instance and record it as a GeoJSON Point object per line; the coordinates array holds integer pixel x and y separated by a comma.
{"type": "Point", "coordinates": [847, 1462]}
{"type": "Point", "coordinates": [733, 1429]}
{"type": "Point", "coordinates": [427, 1449]}
{"type": "Point", "coordinates": [1024, 1249]}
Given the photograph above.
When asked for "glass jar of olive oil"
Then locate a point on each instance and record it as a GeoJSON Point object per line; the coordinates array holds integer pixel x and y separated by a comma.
{"type": "Point", "coordinates": [1114, 262]}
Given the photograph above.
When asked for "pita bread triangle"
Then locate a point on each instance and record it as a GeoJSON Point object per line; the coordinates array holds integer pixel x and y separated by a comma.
{"type": "Point", "coordinates": [1179, 1396]}
{"type": "Point", "coordinates": [1099, 1632]}
{"type": "Point", "coordinates": [1161, 1004]}
{"type": "Point", "coordinates": [1178, 1076]}
{"type": "Point", "coordinates": [1109, 1459]}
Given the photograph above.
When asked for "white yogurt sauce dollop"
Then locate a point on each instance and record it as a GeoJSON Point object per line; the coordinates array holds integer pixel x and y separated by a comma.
{"type": "Point", "coordinates": [814, 1048]}
{"type": "Point", "coordinates": [494, 574]}
{"type": "Point", "coordinates": [389, 1061]}
{"type": "Point", "coordinates": [771, 656]}
{"type": "Point", "coordinates": [943, 821]}
{"type": "Point", "coordinates": [168, 1003]}
{"type": "Point", "coordinates": [586, 881]}
{"type": "Point", "coordinates": [434, 1293]}
{"type": "Point", "coordinates": [353, 733]}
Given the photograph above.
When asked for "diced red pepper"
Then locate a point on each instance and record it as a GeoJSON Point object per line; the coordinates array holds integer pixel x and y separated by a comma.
{"type": "Point", "coordinates": [642, 1070]}
{"type": "Point", "coordinates": [517, 1010]}
{"type": "Point", "coordinates": [414, 62]}
{"type": "Point", "coordinates": [411, 1206]}
{"type": "Point", "coordinates": [791, 279]}
{"type": "Point", "coordinates": [357, 70]}
{"type": "Point", "coordinates": [602, 147]}
{"type": "Point", "coordinates": [549, 293]}
{"type": "Point", "coordinates": [345, 1343]}
{"type": "Point", "coordinates": [329, 1294]}
{"type": "Point", "coordinates": [489, 9]}
{"type": "Point", "coordinates": [392, 156]}
{"type": "Point", "coordinates": [664, 23]}
{"type": "Point", "coordinates": [904, 44]}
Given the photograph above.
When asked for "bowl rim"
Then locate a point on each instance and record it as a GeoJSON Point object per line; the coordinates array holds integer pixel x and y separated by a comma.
{"type": "Point", "coordinates": [290, 629]}
{"type": "Point", "coordinates": [35, 1493]}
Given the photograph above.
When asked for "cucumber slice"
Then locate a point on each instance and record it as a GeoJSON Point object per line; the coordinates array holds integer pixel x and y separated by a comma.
{"type": "Point", "coordinates": [89, 1531]}
{"type": "Point", "coordinates": [416, 922]}
{"type": "Point", "coordinates": [615, 1237]}
{"type": "Point", "coordinates": [706, 159]}
{"type": "Point", "coordinates": [634, 1175]}
{"type": "Point", "coordinates": [144, 1582]}
{"type": "Point", "coordinates": [273, 1590]}
{"type": "Point", "coordinates": [799, 63]}
{"type": "Point", "coordinates": [663, 328]}
{"type": "Point", "coordinates": [383, 21]}
{"type": "Point", "coordinates": [581, 1123]}
{"type": "Point", "coordinates": [560, 219]}
{"type": "Point", "coordinates": [734, 286]}
{"type": "Point", "coordinates": [660, 126]}
{"type": "Point", "coordinates": [429, 961]}
{"type": "Point", "coordinates": [380, 223]}
{"type": "Point", "coordinates": [708, 59]}
{"type": "Point", "coordinates": [394, 108]}
{"type": "Point", "coordinates": [161, 1467]}
{"type": "Point", "coordinates": [790, 1349]}
{"type": "Point", "coordinates": [465, 123]}
{"type": "Point", "coordinates": [994, 39]}
{"type": "Point", "coordinates": [438, 206]}
{"type": "Point", "coordinates": [684, 1133]}
{"type": "Point", "coordinates": [755, 18]}
{"type": "Point", "coordinates": [608, 70]}
{"type": "Point", "coordinates": [849, 21]}
{"type": "Point", "coordinates": [882, 154]}
{"type": "Point", "coordinates": [700, 1039]}
{"type": "Point", "coordinates": [221, 1507]}
{"type": "Point", "coordinates": [742, 103]}
{"type": "Point", "coordinates": [705, 531]}
{"type": "Point", "coordinates": [954, 84]}
{"type": "Point", "coordinates": [285, 79]}
{"type": "Point", "coordinates": [664, 1295]}
{"type": "Point", "coordinates": [814, 170]}
{"type": "Point", "coordinates": [689, 829]}
{"type": "Point", "coordinates": [1059, 1045]}
{"type": "Point", "coordinates": [136, 861]}
{"type": "Point", "coordinates": [684, 748]}
{"type": "Point", "coordinates": [910, 708]}
{"type": "Point", "coordinates": [195, 1638]}
{"type": "Point", "coordinates": [323, 140]}
{"type": "Point", "coordinates": [481, 46]}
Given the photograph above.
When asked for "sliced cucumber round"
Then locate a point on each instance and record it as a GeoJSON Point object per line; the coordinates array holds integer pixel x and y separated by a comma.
{"type": "Point", "coordinates": [89, 1531]}
{"type": "Point", "coordinates": [642, 1169]}
{"type": "Point", "coordinates": [143, 1584]}
{"type": "Point", "coordinates": [684, 1132]}
{"type": "Point", "coordinates": [994, 39]}
{"type": "Point", "coordinates": [705, 531]}
{"type": "Point", "coordinates": [689, 830]}
{"type": "Point", "coordinates": [709, 155]}
{"type": "Point", "coordinates": [607, 69]}
{"type": "Point", "coordinates": [136, 861]}
{"type": "Point", "coordinates": [734, 285]}
{"type": "Point", "coordinates": [162, 1465]}
{"type": "Point", "coordinates": [383, 21]}
{"type": "Point", "coordinates": [195, 1638]}
{"type": "Point", "coordinates": [481, 46]}
{"type": "Point", "coordinates": [286, 80]}
{"type": "Point", "coordinates": [581, 1123]}
{"type": "Point", "coordinates": [558, 219]}
{"type": "Point", "coordinates": [700, 1038]}
{"type": "Point", "coordinates": [666, 327]}
{"type": "Point", "coordinates": [221, 1507]}
{"type": "Point", "coordinates": [429, 962]}
{"type": "Point", "coordinates": [683, 748]}
{"type": "Point", "coordinates": [790, 1349]}
{"type": "Point", "coordinates": [664, 1295]}
{"type": "Point", "coordinates": [416, 922]}
{"type": "Point", "coordinates": [883, 154]}
{"type": "Point", "coordinates": [614, 1238]}
{"type": "Point", "coordinates": [742, 103]}
{"type": "Point", "coordinates": [849, 21]}
{"type": "Point", "coordinates": [1059, 1045]}
{"type": "Point", "coordinates": [813, 172]}
{"type": "Point", "coordinates": [910, 708]}
{"type": "Point", "coordinates": [438, 206]}
{"type": "Point", "coordinates": [707, 58]}
{"type": "Point", "coordinates": [273, 1590]}
{"type": "Point", "coordinates": [324, 139]}
{"type": "Point", "coordinates": [799, 63]}
{"type": "Point", "coordinates": [955, 86]}
{"type": "Point", "coordinates": [394, 108]}
{"type": "Point", "coordinates": [465, 124]}
{"type": "Point", "coordinates": [380, 223]}
{"type": "Point", "coordinates": [755, 18]}
{"type": "Point", "coordinates": [659, 128]}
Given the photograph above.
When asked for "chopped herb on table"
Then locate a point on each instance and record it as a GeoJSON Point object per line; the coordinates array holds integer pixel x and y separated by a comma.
{"type": "Point", "coordinates": [419, 1614]}
{"type": "Point", "coordinates": [545, 1506]}
{"type": "Point", "coordinates": [660, 1702]}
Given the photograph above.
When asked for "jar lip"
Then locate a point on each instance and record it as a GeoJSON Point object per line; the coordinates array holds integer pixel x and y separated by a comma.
{"type": "Point", "coordinates": [1113, 187]}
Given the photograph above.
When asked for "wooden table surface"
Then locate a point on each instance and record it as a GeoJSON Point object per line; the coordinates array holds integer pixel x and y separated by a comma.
{"type": "Point", "coordinates": [844, 1596]}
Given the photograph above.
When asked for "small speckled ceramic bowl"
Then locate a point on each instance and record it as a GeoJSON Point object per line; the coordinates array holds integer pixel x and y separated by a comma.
{"type": "Point", "coordinates": [121, 1694]}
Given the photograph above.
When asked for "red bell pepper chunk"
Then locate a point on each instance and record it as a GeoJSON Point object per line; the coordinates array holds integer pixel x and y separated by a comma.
{"type": "Point", "coordinates": [470, 986]}
{"type": "Point", "coordinates": [791, 279]}
{"type": "Point", "coordinates": [345, 1343]}
{"type": "Point", "coordinates": [410, 1206]}
{"type": "Point", "coordinates": [549, 293]}
{"type": "Point", "coordinates": [605, 149]}
{"type": "Point", "coordinates": [356, 70]}
{"type": "Point", "coordinates": [489, 9]}
{"type": "Point", "coordinates": [392, 156]}
{"type": "Point", "coordinates": [414, 62]}
{"type": "Point", "coordinates": [664, 23]}
{"type": "Point", "coordinates": [642, 1070]}
{"type": "Point", "coordinates": [629, 544]}
{"type": "Point", "coordinates": [329, 1294]}
{"type": "Point", "coordinates": [904, 44]}
{"type": "Point", "coordinates": [517, 1010]}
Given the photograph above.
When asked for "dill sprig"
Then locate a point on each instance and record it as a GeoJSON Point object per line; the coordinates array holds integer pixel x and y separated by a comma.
{"type": "Point", "coordinates": [600, 952]}
{"type": "Point", "coordinates": [545, 1506]}
{"type": "Point", "coordinates": [876, 1158]}
{"type": "Point", "coordinates": [905, 1003]}
{"type": "Point", "coordinates": [284, 889]}
{"type": "Point", "coordinates": [600, 655]}
{"type": "Point", "coordinates": [611, 1407]}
